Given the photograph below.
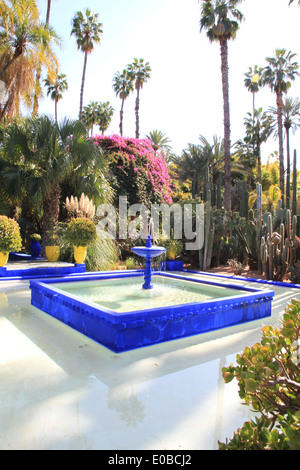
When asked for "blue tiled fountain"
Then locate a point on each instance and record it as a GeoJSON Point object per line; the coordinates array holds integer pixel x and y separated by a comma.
{"type": "Point", "coordinates": [121, 312]}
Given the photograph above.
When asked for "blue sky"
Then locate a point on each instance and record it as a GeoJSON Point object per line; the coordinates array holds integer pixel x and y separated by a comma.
{"type": "Point", "coordinates": [183, 98]}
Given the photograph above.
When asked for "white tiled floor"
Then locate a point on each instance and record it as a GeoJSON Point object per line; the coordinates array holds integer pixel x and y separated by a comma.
{"type": "Point", "coordinates": [61, 390]}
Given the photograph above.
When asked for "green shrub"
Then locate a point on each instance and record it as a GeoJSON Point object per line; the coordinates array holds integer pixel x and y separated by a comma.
{"type": "Point", "coordinates": [81, 232]}
{"type": "Point", "coordinates": [10, 238]}
{"type": "Point", "coordinates": [268, 375]}
{"type": "Point", "coordinates": [130, 263]}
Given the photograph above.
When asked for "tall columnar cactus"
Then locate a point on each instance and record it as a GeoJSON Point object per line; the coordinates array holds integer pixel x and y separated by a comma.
{"type": "Point", "coordinates": [209, 230]}
{"type": "Point", "coordinates": [259, 224]}
{"type": "Point", "coordinates": [294, 200]}
{"type": "Point", "coordinates": [219, 187]}
{"type": "Point", "coordinates": [244, 201]}
{"type": "Point", "coordinates": [278, 249]}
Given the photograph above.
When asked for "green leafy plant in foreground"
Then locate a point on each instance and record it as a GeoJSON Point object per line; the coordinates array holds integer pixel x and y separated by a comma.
{"type": "Point", "coordinates": [268, 375]}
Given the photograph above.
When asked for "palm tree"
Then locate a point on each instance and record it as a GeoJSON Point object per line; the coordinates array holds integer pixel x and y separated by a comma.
{"type": "Point", "coordinates": [56, 88]}
{"type": "Point", "coordinates": [244, 153]}
{"type": "Point", "coordinates": [258, 129]}
{"type": "Point", "coordinates": [159, 140]}
{"type": "Point", "coordinates": [253, 82]}
{"type": "Point", "coordinates": [40, 155]}
{"type": "Point", "coordinates": [38, 90]}
{"type": "Point", "coordinates": [291, 115]}
{"type": "Point", "coordinates": [90, 115]}
{"type": "Point", "coordinates": [221, 20]}
{"type": "Point", "coordinates": [140, 71]}
{"type": "Point", "coordinates": [123, 86]}
{"type": "Point", "coordinates": [197, 159]}
{"type": "Point", "coordinates": [278, 74]}
{"type": "Point", "coordinates": [291, 122]}
{"type": "Point", "coordinates": [105, 114]}
{"type": "Point", "coordinates": [25, 47]}
{"type": "Point", "coordinates": [88, 31]}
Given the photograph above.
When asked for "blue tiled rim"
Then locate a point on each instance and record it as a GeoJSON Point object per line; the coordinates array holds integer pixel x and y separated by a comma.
{"type": "Point", "coordinates": [121, 332]}
{"type": "Point", "coordinates": [40, 272]}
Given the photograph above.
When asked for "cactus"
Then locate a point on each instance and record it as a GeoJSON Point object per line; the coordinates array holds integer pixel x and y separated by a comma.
{"type": "Point", "coordinates": [259, 223]}
{"type": "Point", "coordinates": [249, 241]}
{"type": "Point", "coordinates": [278, 249]}
{"type": "Point", "coordinates": [219, 186]}
{"type": "Point", "coordinates": [244, 206]}
{"type": "Point", "coordinates": [209, 228]}
{"type": "Point", "coordinates": [294, 200]}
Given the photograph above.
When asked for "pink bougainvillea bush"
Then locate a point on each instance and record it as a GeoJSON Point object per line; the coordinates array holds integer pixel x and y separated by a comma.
{"type": "Point", "coordinates": [136, 169]}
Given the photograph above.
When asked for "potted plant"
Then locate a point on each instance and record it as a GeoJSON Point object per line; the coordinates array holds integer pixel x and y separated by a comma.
{"type": "Point", "coordinates": [10, 238]}
{"type": "Point", "coordinates": [52, 248]}
{"type": "Point", "coordinates": [80, 232]}
{"type": "Point", "coordinates": [35, 246]}
{"type": "Point", "coordinates": [174, 248]}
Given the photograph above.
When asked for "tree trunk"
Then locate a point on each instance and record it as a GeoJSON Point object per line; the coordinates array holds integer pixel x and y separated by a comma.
{"type": "Point", "coordinates": [38, 74]}
{"type": "Point", "coordinates": [294, 202]}
{"type": "Point", "coordinates": [48, 12]}
{"type": "Point", "coordinates": [50, 210]}
{"type": "Point", "coordinates": [137, 107]}
{"type": "Point", "coordinates": [225, 88]}
{"type": "Point", "coordinates": [37, 93]}
{"type": "Point", "coordinates": [280, 139]}
{"type": "Point", "coordinates": [259, 163]}
{"type": "Point", "coordinates": [288, 169]}
{"type": "Point", "coordinates": [82, 87]}
{"type": "Point", "coordinates": [55, 110]}
{"type": "Point", "coordinates": [121, 118]}
{"type": "Point", "coordinates": [17, 54]}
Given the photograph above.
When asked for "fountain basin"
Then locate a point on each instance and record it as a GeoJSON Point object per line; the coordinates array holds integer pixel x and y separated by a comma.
{"type": "Point", "coordinates": [129, 326]}
{"type": "Point", "coordinates": [151, 252]}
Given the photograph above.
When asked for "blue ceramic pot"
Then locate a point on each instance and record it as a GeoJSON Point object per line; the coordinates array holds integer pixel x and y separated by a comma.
{"type": "Point", "coordinates": [35, 248]}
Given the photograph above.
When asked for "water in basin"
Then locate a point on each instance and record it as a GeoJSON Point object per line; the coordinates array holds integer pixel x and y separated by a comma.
{"type": "Point", "coordinates": [127, 295]}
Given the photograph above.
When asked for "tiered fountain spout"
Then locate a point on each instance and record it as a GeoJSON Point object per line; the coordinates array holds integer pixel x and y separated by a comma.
{"type": "Point", "coordinates": [148, 252]}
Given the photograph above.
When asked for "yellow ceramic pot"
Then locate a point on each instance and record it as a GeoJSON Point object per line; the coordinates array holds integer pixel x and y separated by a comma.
{"type": "Point", "coordinates": [3, 258]}
{"type": "Point", "coordinates": [52, 253]}
{"type": "Point", "coordinates": [79, 254]}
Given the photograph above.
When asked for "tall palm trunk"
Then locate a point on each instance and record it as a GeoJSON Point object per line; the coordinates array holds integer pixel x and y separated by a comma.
{"type": "Point", "coordinates": [55, 104]}
{"type": "Point", "coordinates": [137, 108]}
{"type": "Point", "coordinates": [82, 85]}
{"type": "Point", "coordinates": [288, 169]}
{"type": "Point", "coordinates": [225, 88]}
{"type": "Point", "coordinates": [259, 162]}
{"type": "Point", "coordinates": [280, 139]}
{"type": "Point", "coordinates": [121, 117]}
{"type": "Point", "coordinates": [48, 12]}
{"type": "Point", "coordinates": [38, 73]}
